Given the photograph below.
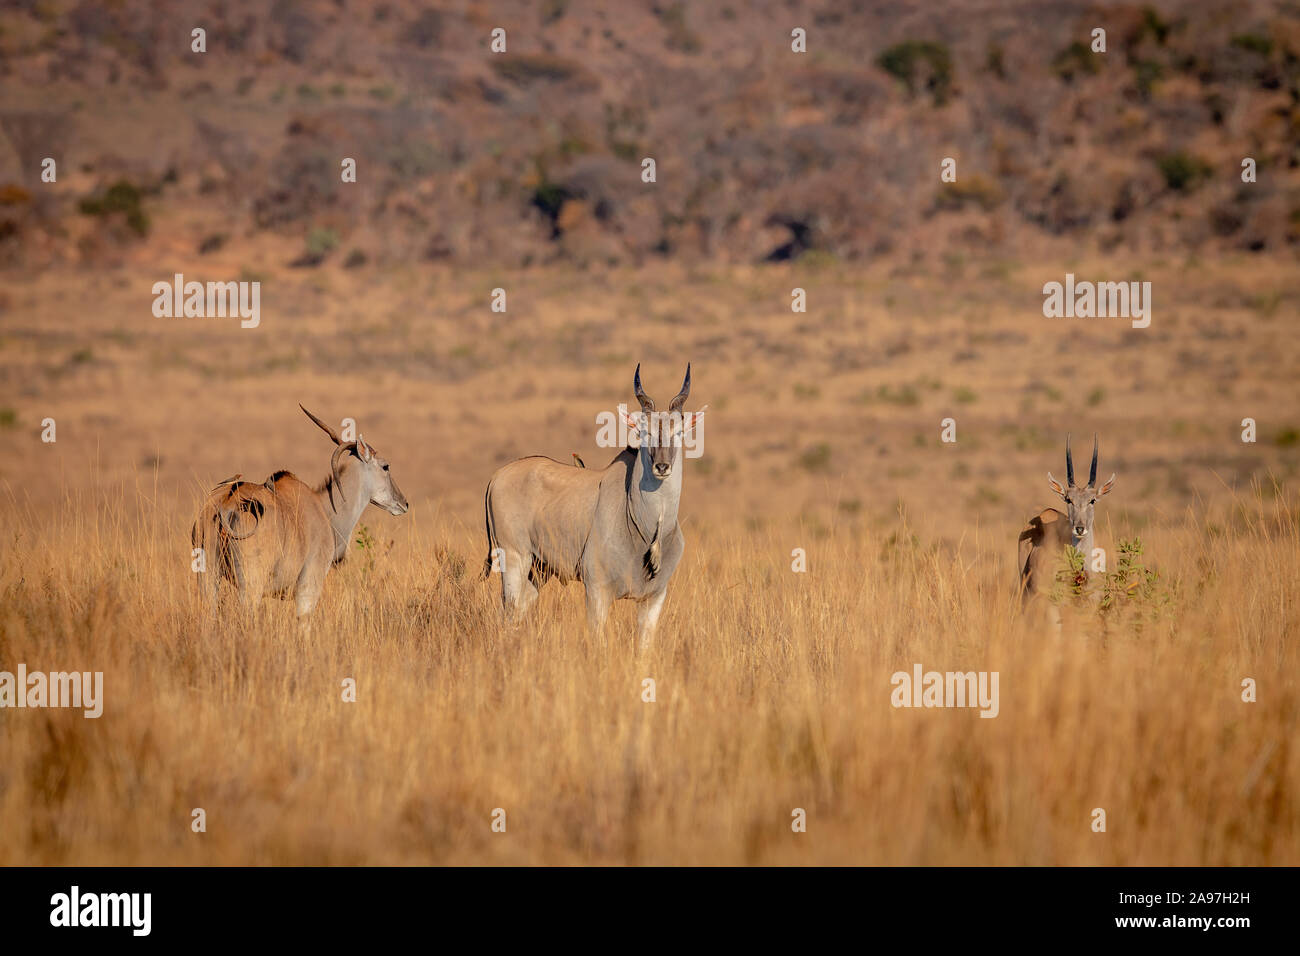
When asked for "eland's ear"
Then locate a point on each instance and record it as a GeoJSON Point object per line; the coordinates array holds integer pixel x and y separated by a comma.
{"type": "Point", "coordinates": [364, 451]}
{"type": "Point", "coordinates": [693, 418]}
{"type": "Point", "coordinates": [633, 421]}
{"type": "Point", "coordinates": [1105, 489]}
{"type": "Point", "coordinates": [1056, 485]}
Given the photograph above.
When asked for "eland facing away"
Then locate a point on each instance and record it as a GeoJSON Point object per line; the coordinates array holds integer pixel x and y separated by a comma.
{"type": "Point", "coordinates": [282, 536]}
{"type": "Point", "coordinates": [615, 528]}
{"type": "Point", "coordinates": [1043, 541]}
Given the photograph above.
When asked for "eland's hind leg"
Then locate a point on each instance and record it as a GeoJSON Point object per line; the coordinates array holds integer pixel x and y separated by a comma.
{"type": "Point", "coordinates": [251, 576]}
{"type": "Point", "coordinates": [518, 592]}
{"type": "Point", "coordinates": [208, 582]}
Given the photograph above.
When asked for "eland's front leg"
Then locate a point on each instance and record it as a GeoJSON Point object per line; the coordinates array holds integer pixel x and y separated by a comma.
{"type": "Point", "coordinates": [598, 601]}
{"type": "Point", "coordinates": [647, 618]}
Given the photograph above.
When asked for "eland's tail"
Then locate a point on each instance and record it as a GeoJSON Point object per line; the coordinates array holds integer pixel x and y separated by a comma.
{"type": "Point", "coordinates": [493, 547]}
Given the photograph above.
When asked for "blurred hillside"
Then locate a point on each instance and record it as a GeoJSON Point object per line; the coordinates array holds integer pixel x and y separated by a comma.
{"type": "Point", "coordinates": [533, 156]}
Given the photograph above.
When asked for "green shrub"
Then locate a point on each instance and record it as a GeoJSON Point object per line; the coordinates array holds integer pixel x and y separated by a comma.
{"type": "Point", "coordinates": [1145, 74]}
{"type": "Point", "coordinates": [526, 68]}
{"type": "Point", "coordinates": [1131, 583]}
{"type": "Point", "coordinates": [1182, 171]}
{"type": "Point", "coordinates": [905, 395]}
{"type": "Point", "coordinates": [322, 241]}
{"type": "Point", "coordinates": [121, 197]}
{"type": "Point", "coordinates": [816, 458]}
{"type": "Point", "coordinates": [680, 36]}
{"type": "Point", "coordinates": [903, 60]}
{"type": "Point", "coordinates": [1075, 59]}
{"type": "Point", "coordinates": [973, 190]}
{"type": "Point", "coordinates": [1253, 42]}
{"type": "Point", "coordinates": [1152, 24]}
{"type": "Point", "coordinates": [1130, 587]}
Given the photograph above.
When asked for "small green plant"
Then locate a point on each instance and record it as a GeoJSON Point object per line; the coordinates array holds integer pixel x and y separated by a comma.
{"type": "Point", "coordinates": [450, 562]}
{"type": "Point", "coordinates": [368, 546]}
{"type": "Point", "coordinates": [1265, 303]}
{"type": "Point", "coordinates": [905, 394]}
{"type": "Point", "coordinates": [321, 242]}
{"type": "Point", "coordinates": [1071, 577]}
{"type": "Point", "coordinates": [816, 458]}
{"type": "Point", "coordinates": [899, 545]}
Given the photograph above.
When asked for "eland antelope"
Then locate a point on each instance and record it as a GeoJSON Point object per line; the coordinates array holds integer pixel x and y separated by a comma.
{"type": "Point", "coordinates": [1044, 539]}
{"type": "Point", "coordinates": [614, 529]}
{"type": "Point", "coordinates": [282, 536]}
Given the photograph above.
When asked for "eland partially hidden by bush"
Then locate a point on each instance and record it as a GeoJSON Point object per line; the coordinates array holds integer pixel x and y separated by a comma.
{"type": "Point", "coordinates": [1045, 537]}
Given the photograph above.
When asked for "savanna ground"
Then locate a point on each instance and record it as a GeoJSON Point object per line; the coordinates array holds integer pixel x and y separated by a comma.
{"type": "Point", "coordinates": [773, 687]}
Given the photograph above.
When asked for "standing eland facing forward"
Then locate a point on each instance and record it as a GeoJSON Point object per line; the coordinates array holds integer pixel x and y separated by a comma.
{"type": "Point", "coordinates": [614, 529]}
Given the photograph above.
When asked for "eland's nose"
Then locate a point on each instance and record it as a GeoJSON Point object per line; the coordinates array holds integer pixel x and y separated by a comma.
{"type": "Point", "coordinates": [662, 470]}
{"type": "Point", "coordinates": [1080, 530]}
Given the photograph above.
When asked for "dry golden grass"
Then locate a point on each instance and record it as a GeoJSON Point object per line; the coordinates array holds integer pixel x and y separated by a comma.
{"type": "Point", "coordinates": [773, 687]}
{"type": "Point", "coordinates": [772, 693]}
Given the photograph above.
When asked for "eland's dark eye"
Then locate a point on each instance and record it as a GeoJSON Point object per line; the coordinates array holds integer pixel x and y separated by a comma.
{"type": "Point", "coordinates": [1092, 502]}
{"type": "Point", "coordinates": [385, 466]}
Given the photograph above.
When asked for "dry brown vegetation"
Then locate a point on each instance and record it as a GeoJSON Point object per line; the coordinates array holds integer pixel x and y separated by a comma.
{"type": "Point", "coordinates": [533, 156]}
{"type": "Point", "coordinates": [773, 687]}
{"type": "Point", "coordinates": [522, 172]}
